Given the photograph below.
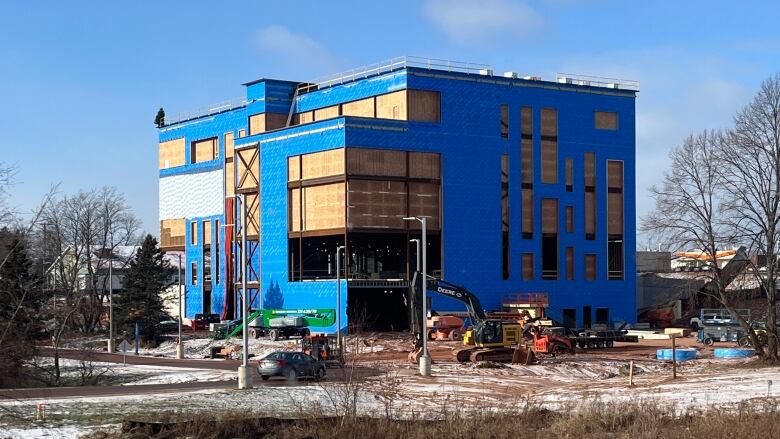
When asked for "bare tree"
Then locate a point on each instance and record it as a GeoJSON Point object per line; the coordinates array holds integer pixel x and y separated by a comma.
{"type": "Point", "coordinates": [6, 179]}
{"type": "Point", "coordinates": [751, 173]}
{"type": "Point", "coordinates": [690, 211]}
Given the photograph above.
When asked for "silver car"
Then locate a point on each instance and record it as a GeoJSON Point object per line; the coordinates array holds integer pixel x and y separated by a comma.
{"type": "Point", "coordinates": [290, 365]}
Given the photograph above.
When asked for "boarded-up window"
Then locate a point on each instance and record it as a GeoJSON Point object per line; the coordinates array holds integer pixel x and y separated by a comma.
{"type": "Point", "coordinates": [322, 164]}
{"type": "Point", "coordinates": [263, 122]}
{"type": "Point", "coordinates": [252, 214]}
{"type": "Point", "coordinates": [424, 202]}
{"type": "Point", "coordinates": [569, 263]}
{"type": "Point", "coordinates": [526, 121]}
{"type": "Point", "coordinates": [549, 153]}
{"type": "Point", "coordinates": [528, 266]}
{"type": "Point", "coordinates": [294, 210]}
{"type": "Point", "coordinates": [327, 112]}
{"type": "Point", "coordinates": [391, 105]}
{"type": "Point", "coordinates": [172, 153]}
{"type": "Point", "coordinates": [527, 213]}
{"type": "Point", "coordinates": [527, 151]}
{"type": "Point", "coordinates": [376, 162]}
{"type": "Point", "coordinates": [504, 121]}
{"type": "Point", "coordinates": [569, 175]}
{"type": "Point", "coordinates": [606, 120]}
{"type": "Point", "coordinates": [424, 165]}
{"type": "Point", "coordinates": [549, 215]}
{"type": "Point", "coordinates": [376, 204]}
{"type": "Point", "coordinates": [590, 170]}
{"type": "Point", "coordinates": [323, 206]}
{"type": "Point", "coordinates": [204, 150]}
{"type": "Point", "coordinates": [229, 145]}
{"type": "Point", "coordinates": [361, 108]}
{"type": "Point", "coordinates": [206, 232]}
{"type": "Point", "coordinates": [424, 105]}
{"type": "Point", "coordinates": [305, 117]}
{"type": "Point", "coordinates": [230, 178]}
{"type": "Point", "coordinates": [193, 233]}
{"type": "Point", "coordinates": [294, 168]}
{"type": "Point", "coordinates": [242, 133]}
{"type": "Point", "coordinates": [590, 267]}
{"type": "Point", "coordinates": [172, 232]}
{"type": "Point", "coordinates": [569, 219]}
{"type": "Point", "coordinates": [256, 124]}
{"type": "Point", "coordinates": [590, 215]}
{"type": "Point", "coordinates": [505, 216]}
{"type": "Point", "coordinates": [247, 162]}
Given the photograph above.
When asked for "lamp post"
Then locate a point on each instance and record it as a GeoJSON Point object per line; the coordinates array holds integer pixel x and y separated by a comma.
{"type": "Point", "coordinates": [180, 344]}
{"type": "Point", "coordinates": [338, 296]}
{"type": "Point", "coordinates": [425, 360]}
{"type": "Point", "coordinates": [244, 373]}
{"type": "Point", "coordinates": [111, 295]}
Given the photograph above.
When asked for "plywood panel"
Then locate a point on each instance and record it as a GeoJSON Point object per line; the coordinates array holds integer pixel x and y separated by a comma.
{"type": "Point", "coordinates": [392, 105]}
{"type": "Point", "coordinates": [424, 165]}
{"type": "Point", "coordinates": [172, 232]}
{"type": "Point", "coordinates": [361, 108]}
{"type": "Point", "coordinates": [207, 232]}
{"type": "Point", "coordinates": [327, 112]}
{"type": "Point", "coordinates": [569, 263]}
{"type": "Point", "coordinates": [323, 206]}
{"type": "Point", "coordinates": [504, 119]}
{"type": "Point", "coordinates": [526, 121]}
{"type": "Point", "coordinates": [376, 162]}
{"type": "Point", "coordinates": [376, 204]}
{"type": "Point", "coordinates": [424, 202]}
{"type": "Point", "coordinates": [528, 211]}
{"type": "Point", "coordinates": [528, 266]}
{"type": "Point", "coordinates": [569, 219]}
{"type": "Point", "coordinates": [172, 153]}
{"type": "Point", "coordinates": [615, 174]}
{"type": "Point", "coordinates": [424, 105]}
{"type": "Point", "coordinates": [229, 144]}
{"type": "Point", "coordinates": [549, 122]}
{"type": "Point", "coordinates": [590, 213]}
{"type": "Point", "coordinates": [615, 214]}
{"type": "Point", "coordinates": [549, 161]}
{"type": "Point", "coordinates": [247, 164]}
{"type": "Point", "coordinates": [305, 117]}
{"type": "Point", "coordinates": [252, 214]}
{"type": "Point", "coordinates": [569, 172]}
{"type": "Point", "coordinates": [590, 267]}
{"type": "Point", "coordinates": [606, 120]}
{"type": "Point", "coordinates": [204, 150]}
{"type": "Point", "coordinates": [322, 164]}
{"type": "Point", "coordinates": [230, 179]}
{"type": "Point", "coordinates": [256, 124]}
{"type": "Point", "coordinates": [294, 210]}
{"type": "Point", "coordinates": [590, 169]}
{"type": "Point", "coordinates": [275, 121]}
{"type": "Point", "coordinates": [549, 215]}
{"type": "Point", "coordinates": [294, 168]}
{"type": "Point", "coordinates": [527, 152]}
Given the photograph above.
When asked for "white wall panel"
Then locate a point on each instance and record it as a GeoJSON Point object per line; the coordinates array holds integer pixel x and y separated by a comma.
{"type": "Point", "coordinates": [192, 195]}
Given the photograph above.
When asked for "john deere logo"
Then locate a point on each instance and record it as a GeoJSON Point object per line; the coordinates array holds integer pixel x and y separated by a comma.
{"type": "Point", "coordinates": [449, 292]}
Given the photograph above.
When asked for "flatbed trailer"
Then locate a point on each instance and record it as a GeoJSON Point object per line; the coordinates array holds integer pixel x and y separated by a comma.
{"type": "Point", "coordinates": [594, 339]}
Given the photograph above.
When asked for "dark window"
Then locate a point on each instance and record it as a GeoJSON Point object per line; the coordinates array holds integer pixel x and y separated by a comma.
{"type": "Point", "coordinates": [586, 316]}
{"type": "Point", "coordinates": [570, 317]}
{"type": "Point", "coordinates": [505, 216]}
{"type": "Point", "coordinates": [216, 251]}
{"type": "Point", "coordinates": [504, 121]}
{"type": "Point", "coordinates": [569, 263]}
{"type": "Point", "coordinates": [549, 238]}
{"type": "Point", "coordinates": [615, 259]}
{"type": "Point", "coordinates": [194, 273]}
{"type": "Point", "coordinates": [590, 195]}
{"type": "Point", "coordinates": [602, 315]}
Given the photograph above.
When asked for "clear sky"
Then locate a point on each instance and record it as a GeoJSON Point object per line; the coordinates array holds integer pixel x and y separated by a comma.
{"type": "Point", "coordinates": [80, 82]}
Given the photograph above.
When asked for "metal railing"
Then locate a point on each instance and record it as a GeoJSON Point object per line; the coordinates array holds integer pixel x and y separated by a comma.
{"type": "Point", "coordinates": [597, 81]}
{"type": "Point", "coordinates": [393, 64]}
{"type": "Point", "coordinates": [207, 111]}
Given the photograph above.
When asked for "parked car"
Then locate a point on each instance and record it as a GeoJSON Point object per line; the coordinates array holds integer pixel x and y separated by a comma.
{"type": "Point", "coordinates": [201, 321]}
{"type": "Point", "coordinates": [291, 365]}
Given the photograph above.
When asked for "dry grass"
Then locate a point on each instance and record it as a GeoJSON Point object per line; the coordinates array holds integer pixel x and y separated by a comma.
{"type": "Point", "coordinates": [592, 419]}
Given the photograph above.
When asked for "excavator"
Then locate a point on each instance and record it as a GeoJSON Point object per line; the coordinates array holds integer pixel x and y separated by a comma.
{"type": "Point", "coordinates": [488, 339]}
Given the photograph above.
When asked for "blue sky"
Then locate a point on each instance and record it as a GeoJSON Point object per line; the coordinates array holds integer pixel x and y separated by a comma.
{"type": "Point", "coordinates": [80, 81]}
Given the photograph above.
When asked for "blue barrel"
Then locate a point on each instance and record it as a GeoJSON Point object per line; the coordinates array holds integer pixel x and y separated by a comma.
{"type": "Point", "coordinates": [733, 353]}
{"type": "Point", "coordinates": [683, 354]}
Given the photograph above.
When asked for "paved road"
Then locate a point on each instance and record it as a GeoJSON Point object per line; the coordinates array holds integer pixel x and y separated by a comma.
{"type": "Point", "coordinates": [141, 360]}
{"type": "Point", "coordinates": [103, 391]}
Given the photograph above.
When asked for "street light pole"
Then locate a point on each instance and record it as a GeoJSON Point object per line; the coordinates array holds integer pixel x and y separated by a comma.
{"type": "Point", "coordinates": [338, 296]}
{"type": "Point", "coordinates": [425, 359]}
{"type": "Point", "coordinates": [180, 344]}
{"type": "Point", "coordinates": [111, 295]}
{"type": "Point", "coordinates": [244, 373]}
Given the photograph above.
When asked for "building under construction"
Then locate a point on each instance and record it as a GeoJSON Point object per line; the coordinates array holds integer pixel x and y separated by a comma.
{"type": "Point", "coordinates": [527, 186]}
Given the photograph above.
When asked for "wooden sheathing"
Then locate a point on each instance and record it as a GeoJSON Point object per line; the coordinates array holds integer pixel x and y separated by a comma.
{"type": "Point", "coordinates": [230, 178]}
{"type": "Point", "coordinates": [295, 221]}
{"type": "Point", "coordinates": [362, 108]}
{"type": "Point", "coordinates": [528, 266]}
{"type": "Point", "coordinates": [549, 161]}
{"type": "Point", "coordinates": [294, 168]}
{"type": "Point", "coordinates": [527, 157]}
{"type": "Point", "coordinates": [302, 118]}
{"type": "Point", "coordinates": [252, 215]}
{"type": "Point", "coordinates": [569, 166]}
{"type": "Point", "coordinates": [549, 122]}
{"type": "Point", "coordinates": [569, 263]}
{"type": "Point", "coordinates": [424, 202]}
{"type": "Point", "coordinates": [172, 153]}
{"type": "Point", "coordinates": [606, 120]}
{"type": "Point", "coordinates": [207, 232]}
{"type": "Point", "coordinates": [204, 150]}
{"type": "Point", "coordinates": [424, 165]}
{"type": "Point", "coordinates": [376, 162]}
{"type": "Point", "coordinates": [327, 112]}
{"type": "Point", "coordinates": [256, 124]}
{"type": "Point", "coordinates": [526, 121]}
{"type": "Point", "coordinates": [590, 267]}
{"type": "Point", "coordinates": [392, 105]}
{"type": "Point", "coordinates": [590, 195]}
{"type": "Point", "coordinates": [424, 105]}
{"type": "Point", "coordinates": [275, 121]}
{"type": "Point", "coordinates": [590, 213]}
{"type": "Point", "coordinates": [615, 197]}
{"type": "Point", "coordinates": [230, 143]}
{"type": "Point", "coordinates": [172, 233]}
{"type": "Point", "coordinates": [549, 216]}
{"type": "Point", "coordinates": [323, 207]}
{"type": "Point", "coordinates": [569, 219]}
{"type": "Point", "coordinates": [322, 164]}
{"type": "Point", "coordinates": [527, 201]}
{"type": "Point", "coordinates": [247, 163]}
{"type": "Point", "coordinates": [590, 170]}
{"type": "Point", "coordinates": [376, 204]}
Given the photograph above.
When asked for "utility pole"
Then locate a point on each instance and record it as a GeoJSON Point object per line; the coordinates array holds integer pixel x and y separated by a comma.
{"type": "Point", "coordinates": [111, 295]}
{"type": "Point", "coordinates": [425, 359]}
{"type": "Point", "coordinates": [180, 344]}
{"type": "Point", "coordinates": [244, 373]}
{"type": "Point", "coordinates": [339, 249]}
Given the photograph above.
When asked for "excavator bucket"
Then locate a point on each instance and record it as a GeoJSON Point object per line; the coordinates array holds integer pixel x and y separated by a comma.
{"type": "Point", "coordinates": [523, 355]}
{"type": "Point", "coordinates": [414, 356]}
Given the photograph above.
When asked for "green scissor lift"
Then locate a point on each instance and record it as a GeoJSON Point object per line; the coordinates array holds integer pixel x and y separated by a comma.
{"type": "Point", "coordinates": [260, 323]}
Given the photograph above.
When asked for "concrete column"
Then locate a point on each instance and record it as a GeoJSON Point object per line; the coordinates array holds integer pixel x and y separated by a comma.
{"type": "Point", "coordinates": [244, 377]}
{"type": "Point", "coordinates": [425, 365]}
{"type": "Point", "coordinates": [111, 347]}
{"type": "Point", "coordinates": [179, 350]}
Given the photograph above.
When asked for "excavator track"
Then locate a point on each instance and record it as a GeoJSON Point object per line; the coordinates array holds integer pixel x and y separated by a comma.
{"type": "Point", "coordinates": [475, 355]}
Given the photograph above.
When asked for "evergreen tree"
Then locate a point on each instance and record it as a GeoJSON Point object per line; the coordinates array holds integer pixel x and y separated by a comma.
{"type": "Point", "coordinates": [20, 301]}
{"type": "Point", "coordinates": [141, 300]}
